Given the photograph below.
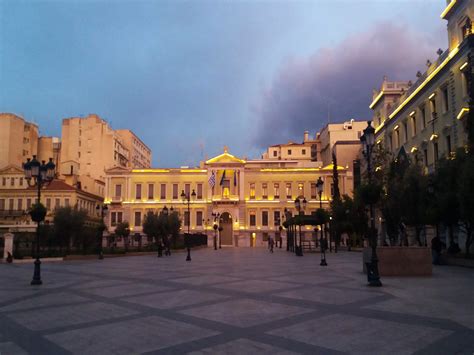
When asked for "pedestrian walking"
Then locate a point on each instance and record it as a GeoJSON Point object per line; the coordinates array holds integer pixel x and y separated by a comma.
{"type": "Point", "coordinates": [271, 241]}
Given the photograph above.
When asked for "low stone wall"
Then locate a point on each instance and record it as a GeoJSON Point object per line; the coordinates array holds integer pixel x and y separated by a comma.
{"type": "Point", "coordinates": [401, 261]}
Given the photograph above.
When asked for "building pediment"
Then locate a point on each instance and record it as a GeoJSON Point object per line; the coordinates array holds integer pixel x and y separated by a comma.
{"type": "Point", "coordinates": [225, 157]}
{"type": "Point", "coordinates": [11, 169]}
{"type": "Point", "coordinates": [117, 170]}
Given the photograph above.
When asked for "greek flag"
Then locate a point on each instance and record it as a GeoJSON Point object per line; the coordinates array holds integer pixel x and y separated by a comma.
{"type": "Point", "coordinates": [212, 179]}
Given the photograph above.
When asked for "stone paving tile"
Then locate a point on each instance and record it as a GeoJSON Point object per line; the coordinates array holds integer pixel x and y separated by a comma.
{"type": "Point", "coordinates": [44, 300]}
{"type": "Point", "coordinates": [327, 295]}
{"type": "Point", "coordinates": [205, 280]}
{"type": "Point", "coordinates": [243, 346]}
{"type": "Point", "coordinates": [359, 335]}
{"type": "Point", "coordinates": [256, 286]}
{"type": "Point", "coordinates": [127, 289]}
{"type": "Point", "coordinates": [307, 278]}
{"type": "Point", "coordinates": [130, 337]}
{"type": "Point", "coordinates": [10, 348]}
{"type": "Point", "coordinates": [244, 312]}
{"type": "Point", "coordinates": [11, 295]}
{"type": "Point", "coordinates": [99, 283]}
{"type": "Point", "coordinates": [179, 298]}
{"type": "Point", "coordinates": [68, 315]}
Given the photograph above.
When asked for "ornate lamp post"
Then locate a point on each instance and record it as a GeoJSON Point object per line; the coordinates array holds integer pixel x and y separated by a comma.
{"type": "Point", "coordinates": [101, 210]}
{"type": "Point", "coordinates": [322, 242]}
{"type": "Point", "coordinates": [187, 200]}
{"type": "Point", "coordinates": [300, 205]}
{"type": "Point", "coordinates": [39, 175]}
{"type": "Point", "coordinates": [368, 141]}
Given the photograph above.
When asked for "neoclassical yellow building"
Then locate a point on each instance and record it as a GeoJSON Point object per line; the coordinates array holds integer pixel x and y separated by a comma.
{"type": "Point", "coordinates": [250, 196]}
{"type": "Point", "coordinates": [427, 117]}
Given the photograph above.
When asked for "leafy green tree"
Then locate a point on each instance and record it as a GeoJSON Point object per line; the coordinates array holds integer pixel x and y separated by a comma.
{"type": "Point", "coordinates": [174, 226]}
{"type": "Point", "coordinates": [123, 230]}
{"type": "Point", "coordinates": [69, 224]}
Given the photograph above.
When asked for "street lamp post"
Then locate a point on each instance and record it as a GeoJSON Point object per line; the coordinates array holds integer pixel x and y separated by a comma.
{"type": "Point", "coordinates": [300, 205]}
{"type": "Point", "coordinates": [186, 198]}
{"type": "Point", "coordinates": [216, 216]}
{"type": "Point", "coordinates": [288, 233]}
{"type": "Point", "coordinates": [368, 140]}
{"type": "Point", "coordinates": [102, 210]}
{"type": "Point", "coordinates": [322, 242]}
{"type": "Point", "coordinates": [39, 175]}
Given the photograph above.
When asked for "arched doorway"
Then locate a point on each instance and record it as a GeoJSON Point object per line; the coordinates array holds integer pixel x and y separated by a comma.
{"type": "Point", "coordinates": [226, 223]}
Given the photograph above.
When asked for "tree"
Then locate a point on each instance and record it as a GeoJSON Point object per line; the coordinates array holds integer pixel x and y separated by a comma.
{"type": "Point", "coordinates": [414, 200]}
{"type": "Point", "coordinates": [466, 200]}
{"type": "Point", "coordinates": [69, 224]}
{"type": "Point", "coordinates": [174, 226]}
{"type": "Point", "coordinates": [150, 225]}
{"type": "Point", "coordinates": [123, 230]}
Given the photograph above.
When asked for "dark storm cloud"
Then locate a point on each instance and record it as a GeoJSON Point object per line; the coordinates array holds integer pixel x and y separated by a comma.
{"type": "Point", "coordinates": [341, 78]}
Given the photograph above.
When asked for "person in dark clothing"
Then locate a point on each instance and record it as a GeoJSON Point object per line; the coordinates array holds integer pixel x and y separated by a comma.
{"type": "Point", "coordinates": [436, 247]}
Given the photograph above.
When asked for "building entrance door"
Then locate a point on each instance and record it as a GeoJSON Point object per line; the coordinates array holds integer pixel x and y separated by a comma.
{"type": "Point", "coordinates": [226, 234]}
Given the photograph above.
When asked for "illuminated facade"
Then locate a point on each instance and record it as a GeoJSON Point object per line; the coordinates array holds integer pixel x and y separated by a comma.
{"type": "Point", "coordinates": [428, 117]}
{"type": "Point", "coordinates": [249, 195]}
{"type": "Point", "coordinates": [16, 199]}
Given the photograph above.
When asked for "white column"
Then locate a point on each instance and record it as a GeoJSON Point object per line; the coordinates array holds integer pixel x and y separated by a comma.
{"type": "Point", "coordinates": [8, 248]}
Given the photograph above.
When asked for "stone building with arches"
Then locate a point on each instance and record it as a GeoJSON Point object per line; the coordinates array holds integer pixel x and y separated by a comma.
{"type": "Point", "coordinates": [247, 198]}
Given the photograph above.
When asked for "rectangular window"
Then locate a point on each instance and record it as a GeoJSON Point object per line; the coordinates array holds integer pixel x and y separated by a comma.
{"type": "Point", "coordinates": [275, 153]}
{"type": "Point", "coordinates": [66, 202]}
{"type": "Point", "coordinates": [151, 192]}
{"type": "Point", "coordinates": [187, 189]}
{"type": "Point", "coordinates": [186, 218]}
{"type": "Point", "coordinates": [423, 116]}
{"type": "Point", "coordinates": [138, 218]}
{"type": "Point", "coordinates": [276, 218]}
{"type": "Point", "coordinates": [313, 191]}
{"type": "Point", "coordinates": [119, 217]}
{"type": "Point", "coordinates": [300, 189]}
{"type": "Point", "coordinates": [413, 125]}
{"type": "Point", "coordinates": [252, 190]}
{"type": "Point", "coordinates": [113, 218]}
{"type": "Point", "coordinates": [288, 190]}
{"type": "Point", "coordinates": [175, 191]}
{"type": "Point", "coordinates": [56, 203]}
{"type": "Point", "coordinates": [138, 191]}
{"type": "Point", "coordinates": [20, 204]}
{"type": "Point", "coordinates": [118, 190]}
{"type": "Point", "coordinates": [253, 220]}
{"type": "Point", "coordinates": [199, 191]}
{"type": "Point", "coordinates": [21, 181]}
{"type": "Point", "coordinates": [448, 145]}
{"type": "Point", "coordinates": [445, 100]}
{"type": "Point", "coordinates": [2, 204]}
{"type": "Point", "coordinates": [405, 131]}
{"type": "Point", "coordinates": [11, 204]}
{"type": "Point", "coordinates": [199, 218]}
{"type": "Point", "coordinates": [397, 138]}
{"type": "Point", "coordinates": [276, 191]}
{"type": "Point", "coordinates": [28, 203]}
{"type": "Point", "coordinates": [289, 151]}
{"type": "Point", "coordinates": [12, 181]}
{"type": "Point", "coordinates": [303, 151]}
{"type": "Point", "coordinates": [433, 108]}
{"type": "Point", "coordinates": [4, 181]}
{"type": "Point", "coordinates": [48, 203]}
{"type": "Point", "coordinates": [163, 191]}
{"type": "Point", "coordinates": [264, 218]}
{"type": "Point", "coordinates": [264, 190]}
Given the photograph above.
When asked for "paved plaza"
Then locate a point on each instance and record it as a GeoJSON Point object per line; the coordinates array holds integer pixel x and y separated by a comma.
{"type": "Point", "coordinates": [232, 301]}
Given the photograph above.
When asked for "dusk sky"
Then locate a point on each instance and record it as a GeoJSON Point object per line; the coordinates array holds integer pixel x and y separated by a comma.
{"type": "Point", "coordinates": [189, 77]}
